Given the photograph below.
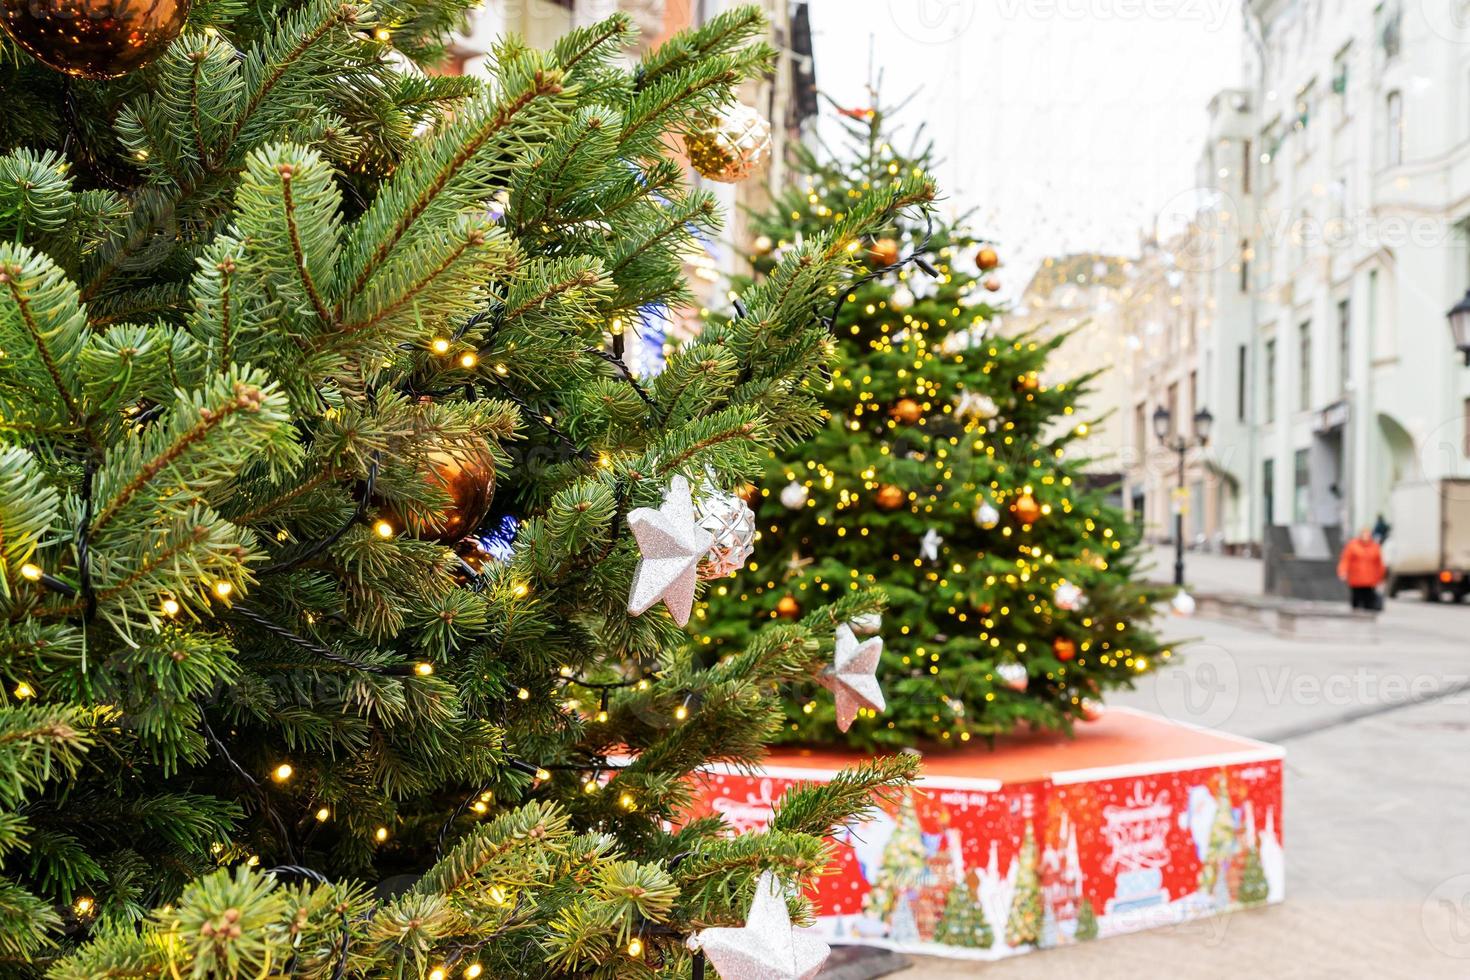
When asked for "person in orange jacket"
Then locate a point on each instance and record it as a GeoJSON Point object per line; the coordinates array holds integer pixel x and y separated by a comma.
{"type": "Point", "coordinates": [1361, 567]}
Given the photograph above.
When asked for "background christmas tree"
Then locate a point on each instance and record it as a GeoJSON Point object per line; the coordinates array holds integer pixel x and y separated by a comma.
{"type": "Point", "coordinates": [1087, 925]}
{"type": "Point", "coordinates": [902, 865]}
{"type": "Point", "coordinates": [1023, 926]}
{"type": "Point", "coordinates": [1253, 886]}
{"type": "Point", "coordinates": [963, 922]}
{"type": "Point", "coordinates": [281, 316]}
{"type": "Point", "coordinates": [1220, 847]}
{"type": "Point", "coordinates": [942, 476]}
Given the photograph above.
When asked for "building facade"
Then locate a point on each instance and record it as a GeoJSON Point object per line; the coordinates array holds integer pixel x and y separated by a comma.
{"type": "Point", "coordinates": [1335, 197]}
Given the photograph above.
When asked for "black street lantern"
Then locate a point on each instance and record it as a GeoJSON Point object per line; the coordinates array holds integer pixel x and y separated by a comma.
{"type": "Point", "coordinates": [1459, 317]}
{"type": "Point", "coordinates": [1202, 422]}
{"type": "Point", "coordinates": [1164, 429]}
{"type": "Point", "coordinates": [1162, 423]}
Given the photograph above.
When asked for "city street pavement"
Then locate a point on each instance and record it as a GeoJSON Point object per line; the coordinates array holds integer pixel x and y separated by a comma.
{"type": "Point", "coordinates": [1377, 735]}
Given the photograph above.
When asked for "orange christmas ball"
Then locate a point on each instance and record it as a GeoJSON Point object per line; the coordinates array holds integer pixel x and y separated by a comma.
{"type": "Point", "coordinates": [991, 283]}
{"type": "Point", "coordinates": [907, 411]}
{"type": "Point", "coordinates": [986, 259]}
{"type": "Point", "coordinates": [787, 607]}
{"type": "Point", "coordinates": [1064, 648]}
{"type": "Point", "coordinates": [94, 39]}
{"type": "Point", "coordinates": [884, 251]}
{"type": "Point", "coordinates": [1026, 509]}
{"type": "Point", "coordinates": [890, 497]}
{"type": "Point", "coordinates": [749, 493]}
{"type": "Point", "coordinates": [469, 480]}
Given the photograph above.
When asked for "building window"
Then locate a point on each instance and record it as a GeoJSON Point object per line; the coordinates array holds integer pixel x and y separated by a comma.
{"type": "Point", "coordinates": [1340, 79]}
{"type": "Point", "coordinates": [1395, 129]}
{"type": "Point", "coordinates": [1300, 487]}
{"type": "Point", "coordinates": [1245, 265]}
{"type": "Point", "coordinates": [1304, 365]}
{"type": "Point", "coordinates": [1246, 166]}
{"type": "Point", "coordinates": [1467, 427]}
{"type": "Point", "coordinates": [1140, 430]}
{"type": "Point", "coordinates": [1390, 29]}
{"type": "Point", "coordinates": [1268, 491]}
{"type": "Point", "coordinates": [1193, 392]}
{"type": "Point", "coordinates": [1173, 406]}
{"type": "Point", "coordinates": [1242, 353]}
{"type": "Point", "coordinates": [1270, 387]}
{"type": "Point", "coordinates": [1344, 345]}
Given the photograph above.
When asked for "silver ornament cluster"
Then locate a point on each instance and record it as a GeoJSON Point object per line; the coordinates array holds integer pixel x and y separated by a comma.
{"type": "Point", "coordinates": [731, 523]}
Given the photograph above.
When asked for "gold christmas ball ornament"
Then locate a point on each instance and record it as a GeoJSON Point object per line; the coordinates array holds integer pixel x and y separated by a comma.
{"type": "Point", "coordinates": [991, 283]}
{"type": "Point", "coordinates": [468, 477]}
{"type": "Point", "coordinates": [1064, 648]}
{"type": "Point", "coordinates": [730, 145]}
{"type": "Point", "coordinates": [94, 39]}
{"type": "Point", "coordinates": [787, 607]}
{"type": "Point", "coordinates": [890, 497]}
{"type": "Point", "coordinates": [1026, 509]}
{"type": "Point", "coordinates": [749, 493]}
{"type": "Point", "coordinates": [884, 251]}
{"type": "Point", "coordinates": [986, 259]}
{"type": "Point", "coordinates": [762, 244]}
{"type": "Point", "coordinates": [907, 411]}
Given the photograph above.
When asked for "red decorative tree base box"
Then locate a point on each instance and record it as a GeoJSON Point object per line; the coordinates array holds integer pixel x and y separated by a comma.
{"type": "Point", "coordinates": [1134, 822]}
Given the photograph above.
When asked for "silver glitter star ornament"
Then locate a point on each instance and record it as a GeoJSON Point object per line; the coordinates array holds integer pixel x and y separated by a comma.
{"type": "Point", "coordinates": [852, 677]}
{"type": "Point", "coordinates": [766, 947]}
{"type": "Point", "coordinates": [929, 545]}
{"type": "Point", "coordinates": [671, 545]}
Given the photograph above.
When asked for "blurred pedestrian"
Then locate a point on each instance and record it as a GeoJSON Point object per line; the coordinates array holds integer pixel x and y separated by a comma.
{"type": "Point", "coordinates": [1381, 529]}
{"type": "Point", "coordinates": [1361, 567]}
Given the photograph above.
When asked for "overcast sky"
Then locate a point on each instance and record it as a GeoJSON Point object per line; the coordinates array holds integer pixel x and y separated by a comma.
{"type": "Point", "coordinates": [1066, 124]}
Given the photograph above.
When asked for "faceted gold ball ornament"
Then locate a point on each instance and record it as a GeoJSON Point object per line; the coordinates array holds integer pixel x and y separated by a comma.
{"type": "Point", "coordinates": [787, 607]}
{"type": "Point", "coordinates": [730, 145]}
{"type": "Point", "coordinates": [96, 39]}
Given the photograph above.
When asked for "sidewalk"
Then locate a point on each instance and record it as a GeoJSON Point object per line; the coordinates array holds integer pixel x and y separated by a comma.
{"type": "Point", "coordinates": [1204, 572]}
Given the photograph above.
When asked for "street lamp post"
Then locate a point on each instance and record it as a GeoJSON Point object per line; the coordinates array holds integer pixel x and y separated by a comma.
{"type": "Point", "coordinates": [1164, 429]}
{"type": "Point", "coordinates": [1459, 317]}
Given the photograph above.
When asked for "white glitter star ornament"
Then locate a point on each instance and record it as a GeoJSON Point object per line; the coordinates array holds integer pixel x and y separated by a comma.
{"type": "Point", "coordinates": [929, 545]}
{"type": "Point", "coordinates": [671, 544]}
{"type": "Point", "coordinates": [766, 947]}
{"type": "Point", "coordinates": [852, 677]}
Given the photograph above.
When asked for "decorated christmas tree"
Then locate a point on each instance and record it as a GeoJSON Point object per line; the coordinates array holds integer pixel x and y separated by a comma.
{"type": "Point", "coordinates": [1220, 848]}
{"type": "Point", "coordinates": [1023, 926]}
{"type": "Point", "coordinates": [332, 523]}
{"type": "Point", "coordinates": [902, 866]}
{"type": "Point", "coordinates": [1253, 887]}
{"type": "Point", "coordinates": [963, 922]}
{"type": "Point", "coordinates": [943, 476]}
{"type": "Point", "coordinates": [1086, 922]}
